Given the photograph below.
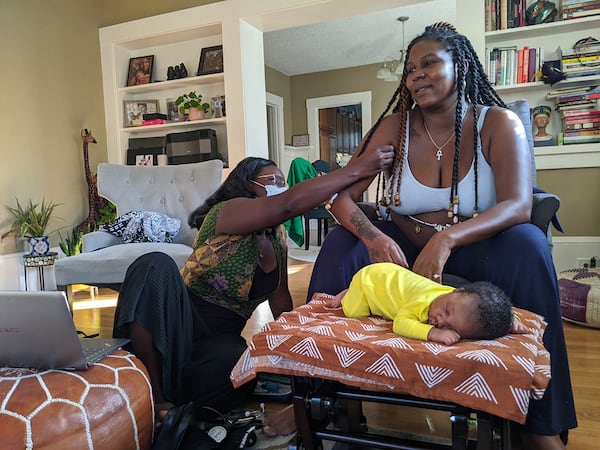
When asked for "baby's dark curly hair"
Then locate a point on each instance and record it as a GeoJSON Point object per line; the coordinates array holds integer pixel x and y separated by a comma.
{"type": "Point", "coordinates": [495, 309]}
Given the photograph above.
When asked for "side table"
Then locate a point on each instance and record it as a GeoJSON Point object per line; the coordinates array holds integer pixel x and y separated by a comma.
{"type": "Point", "coordinates": [38, 263]}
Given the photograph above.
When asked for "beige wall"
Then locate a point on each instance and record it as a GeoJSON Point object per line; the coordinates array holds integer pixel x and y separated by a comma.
{"type": "Point", "coordinates": [278, 83]}
{"type": "Point", "coordinates": [52, 88]}
{"type": "Point", "coordinates": [111, 12]}
{"type": "Point", "coordinates": [578, 190]}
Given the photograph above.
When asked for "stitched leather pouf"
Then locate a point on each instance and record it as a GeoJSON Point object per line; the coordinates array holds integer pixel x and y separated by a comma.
{"type": "Point", "coordinates": [580, 296]}
{"type": "Point", "coordinates": [107, 407]}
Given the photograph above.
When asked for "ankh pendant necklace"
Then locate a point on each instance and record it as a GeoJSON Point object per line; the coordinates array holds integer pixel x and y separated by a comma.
{"type": "Point", "coordinates": [439, 153]}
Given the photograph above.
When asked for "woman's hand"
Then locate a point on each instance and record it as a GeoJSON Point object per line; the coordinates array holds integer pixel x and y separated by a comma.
{"type": "Point", "coordinates": [432, 258]}
{"type": "Point", "coordinates": [374, 160]}
{"type": "Point", "coordinates": [382, 248]}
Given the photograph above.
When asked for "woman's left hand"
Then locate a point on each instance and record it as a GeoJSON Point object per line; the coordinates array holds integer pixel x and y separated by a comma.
{"type": "Point", "coordinates": [432, 258]}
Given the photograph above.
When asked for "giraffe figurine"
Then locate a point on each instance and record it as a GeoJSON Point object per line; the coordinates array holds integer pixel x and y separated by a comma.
{"type": "Point", "coordinates": [96, 203]}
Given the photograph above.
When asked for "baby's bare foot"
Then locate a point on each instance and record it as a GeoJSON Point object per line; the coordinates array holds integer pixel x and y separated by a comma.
{"type": "Point", "coordinates": [281, 423]}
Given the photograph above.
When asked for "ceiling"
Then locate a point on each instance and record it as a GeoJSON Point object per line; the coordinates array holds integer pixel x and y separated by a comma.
{"type": "Point", "coordinates": [352, 41]}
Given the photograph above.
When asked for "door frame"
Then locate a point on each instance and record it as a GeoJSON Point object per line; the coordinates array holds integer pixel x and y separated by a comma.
{"type": "Point", "coordinates": [313, 105]}
{"type": "Point", "coordinates": [277, 130]}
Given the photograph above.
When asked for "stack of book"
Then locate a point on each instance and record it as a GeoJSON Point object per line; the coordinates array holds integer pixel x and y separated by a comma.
{"type": "Point", "coordinates": [154, 119]}
{"type": "Point", "coordinates": [504, 14]}
{"type": "Point", "coordinates": [574, 9]}
{"type": "Point", "coordinates": [513, 65]}
{"type": "Point", "coordinates": [579, 113]}
{"type": "Point", "coordinates": [582, 60]}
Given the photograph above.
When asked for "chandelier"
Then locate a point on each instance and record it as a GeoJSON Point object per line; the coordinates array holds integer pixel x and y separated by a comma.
{"type": "Point", "coordinates": [390, 67]}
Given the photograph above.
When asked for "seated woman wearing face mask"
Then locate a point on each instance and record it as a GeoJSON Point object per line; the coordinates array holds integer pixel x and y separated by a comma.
{"type": "Point", "coordinates": [186, 326]}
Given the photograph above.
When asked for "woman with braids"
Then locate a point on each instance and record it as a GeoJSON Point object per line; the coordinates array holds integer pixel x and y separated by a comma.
{"type": "Point", "coordinates": [186, 327]}
{"type": "Point", "coordinates": [457, 200]}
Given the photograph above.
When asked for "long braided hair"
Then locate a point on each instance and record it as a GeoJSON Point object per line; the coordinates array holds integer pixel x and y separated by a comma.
{"type": "Point", "coordinates": [472, 84]}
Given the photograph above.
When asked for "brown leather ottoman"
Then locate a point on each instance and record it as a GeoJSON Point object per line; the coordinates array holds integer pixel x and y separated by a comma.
{"type": "Point", "coordinates": [107, 407]}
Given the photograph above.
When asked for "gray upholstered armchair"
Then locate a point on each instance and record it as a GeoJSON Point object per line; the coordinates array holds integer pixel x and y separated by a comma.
{"type": "Point", "coordinates": [174, 190]}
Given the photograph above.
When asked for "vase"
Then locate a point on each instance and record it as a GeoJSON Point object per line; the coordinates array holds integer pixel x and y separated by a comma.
{"type": "Point", "coordinates": [38, 246]}
{"type": "Point", "coordinates": [196, 114]}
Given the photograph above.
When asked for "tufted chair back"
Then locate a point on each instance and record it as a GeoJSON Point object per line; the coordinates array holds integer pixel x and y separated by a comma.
{"type": "Point", "coordinates": [172, 190]}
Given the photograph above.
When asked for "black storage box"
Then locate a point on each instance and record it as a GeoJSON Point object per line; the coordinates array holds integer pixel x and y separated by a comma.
{"type": "Point", "coordinates": [143, 151]}
{"type": "Point", "coordinates": [192, 146]}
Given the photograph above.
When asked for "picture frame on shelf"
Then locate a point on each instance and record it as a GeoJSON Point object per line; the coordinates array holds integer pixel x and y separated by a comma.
{"type": "Point", "coordinates": [140, 70]}
{"type": "Point", "coordinates": [211, 60]}
{"type": "Point", "coordinates": [300, 140]}
{"type": "Point", "coordinates": [134, 110]}
{"type": "Point", "coordinates": [144, 160]}
{"type": "Point", "coordinates": [173, 111]}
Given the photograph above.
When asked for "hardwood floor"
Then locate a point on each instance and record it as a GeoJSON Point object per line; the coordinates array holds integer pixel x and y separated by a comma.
{"type": "Point", "coordinates": [96, 316]}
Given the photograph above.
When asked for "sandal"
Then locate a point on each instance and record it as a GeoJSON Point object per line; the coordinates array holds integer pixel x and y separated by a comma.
{"type": "Point", "coordinates": [174, 427]}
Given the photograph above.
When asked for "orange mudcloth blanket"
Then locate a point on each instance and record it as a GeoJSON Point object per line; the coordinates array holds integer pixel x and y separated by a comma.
{"type": "Point", "coordinates": [498, 376]}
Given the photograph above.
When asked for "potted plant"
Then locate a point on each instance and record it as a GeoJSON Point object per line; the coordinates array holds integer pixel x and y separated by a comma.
{"type": "Point", "coordinates": [30, 221]}
{"type": "Point", "coordinates": [192, 103]}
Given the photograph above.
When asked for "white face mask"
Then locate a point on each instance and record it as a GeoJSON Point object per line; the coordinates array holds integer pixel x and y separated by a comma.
{"type": "Point", "coordinates": [272, 189]}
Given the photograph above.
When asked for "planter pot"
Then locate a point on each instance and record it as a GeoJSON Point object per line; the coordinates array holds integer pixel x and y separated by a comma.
{"type": "Point", "coordinates": [196, 114]}
{"type": "Point", "coordinates": [38, 246]}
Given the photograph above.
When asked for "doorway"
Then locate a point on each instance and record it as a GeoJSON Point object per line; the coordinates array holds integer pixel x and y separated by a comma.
{"type": "Point", "coordinates": [340, 131]}
{"type": "Point", "coordinates": [275, 127]}
{"type": "Point", "coordinates": [313, 105]}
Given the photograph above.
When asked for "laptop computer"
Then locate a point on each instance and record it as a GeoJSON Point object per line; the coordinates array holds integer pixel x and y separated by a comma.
{"type": "Point", "coordinates": [37, 331]}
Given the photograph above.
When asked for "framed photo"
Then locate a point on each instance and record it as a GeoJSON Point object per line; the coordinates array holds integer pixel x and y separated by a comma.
{"type": "Point", "coordinates": [300, 140]}
{"type": "Point", "coordinates": [144, 160]}
{"type": "Point", "coordinates": [134, 110]}
{"type": "Point", "coordinates": [211, 60]}
{"type": "Point", "coordinates": [140, 70]}
{"type": "Point", "coordinates": [173, 111]}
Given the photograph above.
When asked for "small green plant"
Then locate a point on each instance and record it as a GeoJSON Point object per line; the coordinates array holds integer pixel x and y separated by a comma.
{"type": "Point", "coordinates": [31, 220]}
{"type": "Point", "coordinates": [108, 215]}
{"type": "Point", "coordinates": [71, 245]}
{"type": "Point", "coordinates": [191, 100]}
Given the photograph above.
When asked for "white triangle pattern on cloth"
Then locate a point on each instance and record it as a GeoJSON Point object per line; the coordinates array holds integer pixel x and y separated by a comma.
{"type": "Point", "coordinates": [347, 355]}
{"type": "Point", "coordinates": [322, 330]}
{"type": "Point", "coordinates": [526, 363]}
{"type": "Point", "coordinates": [476, 386]}
{"type": "Point", "coordinates": [521, 397]}
{"type": "Point", "coordinates": [385, 366]}
{"type": "Point", "coordinates": [432, 375]}
{"type": "Point", "coordinates": [307, 347]}
{"type": "Point", "coordinates": [484, 356]}
{"type": "Point", "coordinates": [395, 343]}
{"type": "Point", "coordinates": [274, 341]}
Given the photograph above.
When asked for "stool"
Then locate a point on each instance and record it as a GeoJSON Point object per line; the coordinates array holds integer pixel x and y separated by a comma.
{"type": "Point", "coordinates": [107, 407]}
{"type": "Point", "coordinates": [580, 296]}
{"type": "Point", "coordinates": [38, 262]}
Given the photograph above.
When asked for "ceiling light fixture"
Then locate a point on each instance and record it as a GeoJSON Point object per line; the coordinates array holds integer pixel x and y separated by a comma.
{"type": "Point", "coordinates": [390, 67]}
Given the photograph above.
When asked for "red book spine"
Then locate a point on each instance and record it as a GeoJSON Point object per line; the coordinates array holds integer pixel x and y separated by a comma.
{"type": "Point", "coordinates": [153, 122]}
{"type": "Point", "coordinates": [520, 66]}
{"type": "Point", "coordinates": [526, 62]}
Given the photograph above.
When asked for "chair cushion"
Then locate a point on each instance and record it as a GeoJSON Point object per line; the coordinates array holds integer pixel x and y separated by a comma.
{"type": "Point", "coordinates": [521, 108]}
{"type": "Point", "coordinates": [108, 265]}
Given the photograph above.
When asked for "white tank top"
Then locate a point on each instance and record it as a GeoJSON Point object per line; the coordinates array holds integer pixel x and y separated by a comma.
{"type": "Point", "coordinates": [416, 198]}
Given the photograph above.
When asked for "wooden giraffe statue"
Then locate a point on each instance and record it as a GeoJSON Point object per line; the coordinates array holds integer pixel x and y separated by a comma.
{"type": "Point", "coordinates": [96, 203]}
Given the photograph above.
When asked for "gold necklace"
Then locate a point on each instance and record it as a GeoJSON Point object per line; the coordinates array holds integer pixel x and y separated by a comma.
{"type": "Point", "coordinates": [439, 153]}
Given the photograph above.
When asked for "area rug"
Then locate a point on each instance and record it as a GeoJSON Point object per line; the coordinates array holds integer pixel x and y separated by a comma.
{"type": "Point", "coordinates": [300, 254]}
{"type": "Point", "coordinates": [273, 443]}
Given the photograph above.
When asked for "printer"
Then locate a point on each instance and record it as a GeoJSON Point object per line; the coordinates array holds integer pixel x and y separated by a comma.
{"type": "Point", "coordinates": [192, 146]}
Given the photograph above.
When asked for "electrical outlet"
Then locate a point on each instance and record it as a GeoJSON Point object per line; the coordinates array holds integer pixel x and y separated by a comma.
{"type": "Point", "coordinates": [582, 262]}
